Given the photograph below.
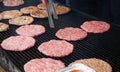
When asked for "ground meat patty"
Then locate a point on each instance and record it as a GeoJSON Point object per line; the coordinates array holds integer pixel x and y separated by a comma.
{"type": "Point", "coordinates": [31, 30]}
{"type": "Point", "coordinates": [13, 2]}
{"type": "Point", "coordinates": [95, 26]}
{"type": "Point", "coordinates": [56, 48]}
{"type": "Point", "coordinates": [28, 9]}
{"type": "Point", "coordinates": [71, 34]}
{"type": "Point", "coordinates": [39, 14]}
{"type": "Point", "coordinates": [43, 65]}
{"type": "Point", "coordinates": [11, 14]}
{"type": "Point", "coordinates": [3, 26]}
{"type": "Point", "coordinates": [22, 20]}
{"type": "Point", "coordinates": [17, 43]}
{"type": "Point", "coordinates": [62, 10]}
{"type": "Point", "coordinates": [97, 64]}
{"type": "Point", "coordinates": [42, 6]}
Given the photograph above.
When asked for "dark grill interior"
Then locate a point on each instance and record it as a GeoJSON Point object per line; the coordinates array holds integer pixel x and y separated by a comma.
{"type": "Point", "coordinates": [104, 46]}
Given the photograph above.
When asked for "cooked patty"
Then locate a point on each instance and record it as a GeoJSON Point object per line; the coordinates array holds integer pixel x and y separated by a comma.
{"type": "Point", "coordinates": [43, 65]}
{"type": "Point", "coordinates": [42, 6]}
{"type": "Point", "coordinates": [56, 48]}
{"type": "Point", "coordinates": [71, 34]}
{"type": "Point", "coordinates": [13, 2]}
{"type": "Point", "coordinates": [11, 14]}
{"type": "Point", "coordinates": [3, 26]}
{"type": "Point", "coordinates": [62, 9]}
{"type": "Point", "coordinates": [28, 9]}
{"type": "Point", "coordinates": [97, 64]}
{"type": "Point", "coordinates": [31, 30]}
{"type": "Point", "coordinates": [39, 14]}
{"type": "Point", "coordinates": [95, 26]}
{"type": "Point", "coordinates": [18, 43]}
{"type": "Point", "coordinates": [22, 20]}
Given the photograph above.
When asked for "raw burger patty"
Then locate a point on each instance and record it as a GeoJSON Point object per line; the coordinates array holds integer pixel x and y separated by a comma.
{"type": "Point", "coordinates": [43, 65]}
{"type": "Point", "coordinates": [95, 26]}
{"type": "Point", "coordinates": [71, 34]}
{"type": "Point", "coordinates": [18, 43]}
{"type": "Point", "coordinates": [31, 30]}
{"type": "Point", "coordinates": [56, 48]}
{"type": "Point", "coordinates": [97, 64]}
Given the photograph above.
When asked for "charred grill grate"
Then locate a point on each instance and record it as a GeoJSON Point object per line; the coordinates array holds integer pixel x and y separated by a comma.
{"type": "Point", "coordinates": [104, 46]}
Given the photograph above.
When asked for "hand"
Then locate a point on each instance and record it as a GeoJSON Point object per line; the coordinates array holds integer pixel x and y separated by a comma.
{"type": "Point", "coordinates": [43, 1]}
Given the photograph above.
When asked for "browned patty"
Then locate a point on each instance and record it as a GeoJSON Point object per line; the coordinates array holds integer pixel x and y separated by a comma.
{"type": "Point", "coordinates": [97, 64]}
{"type": "Point", "coordinates": [11, 14]}
{"type": "Point", "coordinates": [28, 9]}
{"type": "Point", "coordinates": [42, 6]}
{"type": "Point", "coordinates": [13, 2]}
{"type": "Point", "coordinates": [39, 14]}
{"type": "Point", "coordinates": [3, 26]}
{"type": "Point", "coordinates": [60, 9]}
{"type": "Point", "coordinates": [22, 20]}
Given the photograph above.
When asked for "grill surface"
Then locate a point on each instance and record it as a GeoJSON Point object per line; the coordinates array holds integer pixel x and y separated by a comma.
{"type": "Point", "coordinates": [105, 46]}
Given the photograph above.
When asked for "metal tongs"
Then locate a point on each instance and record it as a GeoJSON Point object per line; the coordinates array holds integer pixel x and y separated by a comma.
{"type": "Point", "coordinates": [51, 11]}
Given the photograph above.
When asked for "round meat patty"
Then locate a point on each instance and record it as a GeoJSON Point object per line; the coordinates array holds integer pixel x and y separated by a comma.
{"type": "Point", "coordinates": [43, 65]}
{"type": "Point", "coordinates": [71, 34]}
{"type": "Point", "coordinates": [22, 20]}
{"type": "Point", "coordinates": [42, 6]}
{"type": "Point", "coordinates": [28, 9]}
{"type": "Point", "coordinates": [3, 27]}
{"type": "Point", "coordinates": [56, 48]}
{"type": "Point", "coordinates": [11, 14]}
{"type": "Point", "coordinates": [95, 26]}
{"type": "Point", "coordinates": [31, 30]}
{"type": "Point", "coordinates": [18, 43]}
{"type": "Point", "coordinates": [39, 14]}
{"type": "Point", "coordinates": [97, 64]}
{"type": "Point", "coordinates": [62, 10]}
{"type": "Point", "coordinates": [13, 2]}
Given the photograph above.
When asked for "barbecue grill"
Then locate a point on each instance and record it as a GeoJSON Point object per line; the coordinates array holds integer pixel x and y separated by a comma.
{"type": "Point", "coordinates": [105, 46]}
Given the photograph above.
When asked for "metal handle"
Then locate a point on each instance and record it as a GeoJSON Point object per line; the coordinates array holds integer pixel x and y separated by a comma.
{"type": "Point", "coordinates": [53, 9]}
{"type": "Point", "coordinates": [51, 23]}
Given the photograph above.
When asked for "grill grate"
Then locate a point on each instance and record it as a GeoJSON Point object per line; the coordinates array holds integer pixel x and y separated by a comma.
{"type": "Point", "coordinates": [104, 46]}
